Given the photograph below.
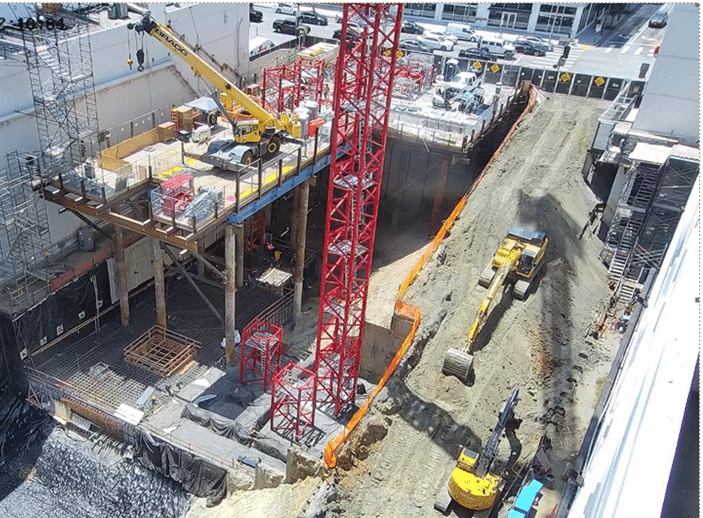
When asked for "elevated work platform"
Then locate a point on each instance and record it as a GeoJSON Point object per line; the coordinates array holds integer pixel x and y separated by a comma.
{"type": "Point", "coordinates": [216, 196]}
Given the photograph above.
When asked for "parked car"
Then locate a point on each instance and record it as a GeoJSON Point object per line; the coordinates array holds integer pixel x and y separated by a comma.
{"type": "Point", "coordinates": [529, 47]}
{"type": "Point", "coordinates": [499, 48]}
{"type": "Point", "coordinates": [290, 26]}
{"type": "Point", "coordinates": [288, 9]}
{"type": "Point", "coordinates": [411, 28]}
{"type": "Point", "coordinates": [415, 45]}
{"type": "Point", "coordinates": [436, 42]}
{"type": "Point", "coordinates": [476, 53]}
{"type": "Point", "coordinates": [443, 35]}
{"type": "Point", "coordinates": [313, 17]}
{"type": "Point", "coordinates": [535, 39]}
{"type": "Point", "coordinates": [254, 15]}
{"type": "Point", "coordinates": [352, 32]}
{"type": "Point", "coordinates": [659, 19]}
{"type": "Point", "coordinates": [461, 31]}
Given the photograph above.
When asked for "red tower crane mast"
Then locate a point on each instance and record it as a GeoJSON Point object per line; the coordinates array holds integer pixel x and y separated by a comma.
{"type": "Point", "coordinates": [362, 96]}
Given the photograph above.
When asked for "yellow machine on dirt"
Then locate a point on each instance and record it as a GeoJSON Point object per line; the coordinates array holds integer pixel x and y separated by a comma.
{"type": "Point", "coordinates": [262, 135]}
{"type": "Point", "coordinates": [476, 481]}
{"type": "Point", "coordinates": [517, 261]}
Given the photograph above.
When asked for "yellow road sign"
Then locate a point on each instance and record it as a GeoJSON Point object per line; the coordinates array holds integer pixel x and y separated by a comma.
{"type": "Point", "coordinates": [495, 68]}
{"type": "Point", "coordinates": [565, 77]}
{"type": "Point", "coordinates": [477, 65]}
{"type": "Point", "coordinates": [599, 81]}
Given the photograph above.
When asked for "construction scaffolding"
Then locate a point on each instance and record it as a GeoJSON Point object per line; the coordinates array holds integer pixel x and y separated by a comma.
{"type": "Point", "coordinates": [260, 356]}
{"type": "Point", "coordinates": [293, 401]}
{"type": "Point", "coordinates": [60, 69]}
{"type": "Point", "coordinates": [281, 88]}
{"type": "Point", "coordinates": [647, 213]}
{"type": "Point", "coordinates": [26, 265]}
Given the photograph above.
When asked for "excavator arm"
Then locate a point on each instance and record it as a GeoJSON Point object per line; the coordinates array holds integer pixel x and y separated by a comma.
{"type": "Point", "coordinates": [202, 69]}
{"type": "Point", "coordinates": [487, 301]}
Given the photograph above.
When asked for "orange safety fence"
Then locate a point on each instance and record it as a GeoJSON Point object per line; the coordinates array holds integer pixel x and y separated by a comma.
{"type": "Point", "coordinates": [413, 312]}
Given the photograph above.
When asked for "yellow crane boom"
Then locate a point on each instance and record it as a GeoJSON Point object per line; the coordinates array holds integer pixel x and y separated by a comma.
{"type": "Point", "coordinates": [201, 68]}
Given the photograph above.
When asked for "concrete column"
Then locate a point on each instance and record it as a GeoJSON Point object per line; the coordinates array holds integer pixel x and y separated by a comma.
{"type": "Point", "coordinates": [300, 249]}
{"type": "Point", "coordinates": [294, 223]}
{"type": "Point", "coordinates": [482, 14]}
{"type": "Point", "coordinates": [122, 276]}
{"type": "Point", "coordinates": [439, 196]}
{"type": "Point", "coordinates": [159, 285]}
{"type": "Point", "coordinates": [229, 293]}
{"type": "Point", "coordinates": [534, 14]}
{"type": "Point", "coordinates": [240, 255]}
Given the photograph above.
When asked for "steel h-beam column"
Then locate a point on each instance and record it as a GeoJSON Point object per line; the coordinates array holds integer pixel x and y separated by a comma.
{"type": "Point", "coordinates": [300, 247]}
{"type": "Point", "coordinates": [159, 285]}
{"type": "Point", "coordinates": [121, 275]}
{"type": "Point", "coordinates": [362, 96]}
{"type": "Point", "coordinates": [230, 292]}
{"type": "Point", "coordinates": [240, 255]}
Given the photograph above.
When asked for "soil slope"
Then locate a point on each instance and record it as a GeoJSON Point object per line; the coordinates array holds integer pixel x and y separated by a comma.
{"type": "Point", "coordinates": [539, 344]}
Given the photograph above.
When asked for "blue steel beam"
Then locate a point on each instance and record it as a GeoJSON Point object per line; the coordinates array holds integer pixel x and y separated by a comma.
{"type": "Point", "coordinates": [286, 185]}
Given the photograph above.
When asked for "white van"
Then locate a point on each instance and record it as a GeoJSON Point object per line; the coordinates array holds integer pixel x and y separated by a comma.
{"type": "Point", "coordinates": [259, 44]}
{"type": "Point", "coordinates": [462, 32]}
{"type": "Point", "coordinates": [499, 48]}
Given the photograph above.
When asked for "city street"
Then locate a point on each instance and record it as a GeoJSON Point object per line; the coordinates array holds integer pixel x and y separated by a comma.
{"type": "Point", "coordinates": [619, 51]}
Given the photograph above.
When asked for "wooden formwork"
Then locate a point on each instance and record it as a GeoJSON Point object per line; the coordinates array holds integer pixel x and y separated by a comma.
{"type": "Point", "coordinates": [161, 351]}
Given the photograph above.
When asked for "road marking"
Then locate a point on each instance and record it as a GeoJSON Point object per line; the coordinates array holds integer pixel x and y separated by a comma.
{"type": "Point", "coordinates": [639, 51]}
{"type": "Point", "coordinates": [609, 50]}
{"type": "Point", "coordinates": [625, 49]}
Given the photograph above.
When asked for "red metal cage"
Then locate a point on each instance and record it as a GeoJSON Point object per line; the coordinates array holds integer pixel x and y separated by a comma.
{"type": "Point", "coordinates": [293, 401]}
{"type": "Point", "coordinates": [260, 356]}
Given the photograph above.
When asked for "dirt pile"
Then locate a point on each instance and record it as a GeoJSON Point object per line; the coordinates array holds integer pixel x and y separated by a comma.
{"type": "Point", "coordinates": [538, 344]}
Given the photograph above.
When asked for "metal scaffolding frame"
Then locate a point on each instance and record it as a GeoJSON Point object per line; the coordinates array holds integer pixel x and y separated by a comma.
{"type": "Point", "coordinates": [260, 355]}
{"type": "Point", "coordinates": [25, 245]}
{"type": "Point", "coordinates": [648, 211]}
{"type": "Point", "coordinates": [60, 69]}
{"type": "Point", "coordinates": [362, 96]}
{"type": "Point", "coordinates": [281, 88]}
{"type": "Point", "coordinates": [293, 401]}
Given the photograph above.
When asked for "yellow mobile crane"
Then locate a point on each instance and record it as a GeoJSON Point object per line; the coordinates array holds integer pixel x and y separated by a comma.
{"type": "Point", "coordinates": [258, 137]}
{"type": "Point", "coordinates": [518, 259]}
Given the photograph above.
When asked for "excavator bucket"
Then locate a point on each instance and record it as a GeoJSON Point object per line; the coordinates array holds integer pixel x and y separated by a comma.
{"type": "Point", "coordinates": [458, 363]}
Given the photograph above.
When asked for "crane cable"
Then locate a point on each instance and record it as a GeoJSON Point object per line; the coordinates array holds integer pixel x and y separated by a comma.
{"type": "Point", "coordinates": [130, 61]}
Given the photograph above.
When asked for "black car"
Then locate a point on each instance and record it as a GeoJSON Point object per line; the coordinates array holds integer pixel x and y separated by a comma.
{"type": "Point", "coordinates": [254, 15]}
{"type": "Point", "coordinates": [414, 45]}
{"type": "Point", "coordinates": [351, 33]}
{"type": "Point", "coordinates": [313, 17]}
{"type": "Point", "coordinates": [411, 28]}
{"type": "Point", "coordinates": [659, 19]}
{"type": "Point", "coordinates": [477, 53]}
{"type": "Point", "coordinates": [530, 47]}
{"type": "Point", "coordinates": [290, 26]}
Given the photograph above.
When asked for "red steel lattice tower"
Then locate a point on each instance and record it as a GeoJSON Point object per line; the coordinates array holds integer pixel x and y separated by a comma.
{"type": "Point", "coordinates": [362, 96]}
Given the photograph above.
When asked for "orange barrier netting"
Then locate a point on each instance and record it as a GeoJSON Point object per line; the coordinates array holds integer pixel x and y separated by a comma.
{"type": "Point", "coordinates": [413, 312]}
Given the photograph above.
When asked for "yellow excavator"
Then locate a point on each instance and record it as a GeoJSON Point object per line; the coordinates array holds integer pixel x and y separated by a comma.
{"type": "Point", "coordinates": [476, 481]}
{"type": "Point", "coordinates": [258, 137]}
{"type": "Point", "coordinates": [518, 260]}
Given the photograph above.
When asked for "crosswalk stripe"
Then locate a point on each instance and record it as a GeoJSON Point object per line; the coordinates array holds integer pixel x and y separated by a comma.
{"type": "Point", "coordinates": [625, 49]}
{"type": "Point", "coordinates": [609, 50]}
{"type": "Point", "coordinates": [639, 51]}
